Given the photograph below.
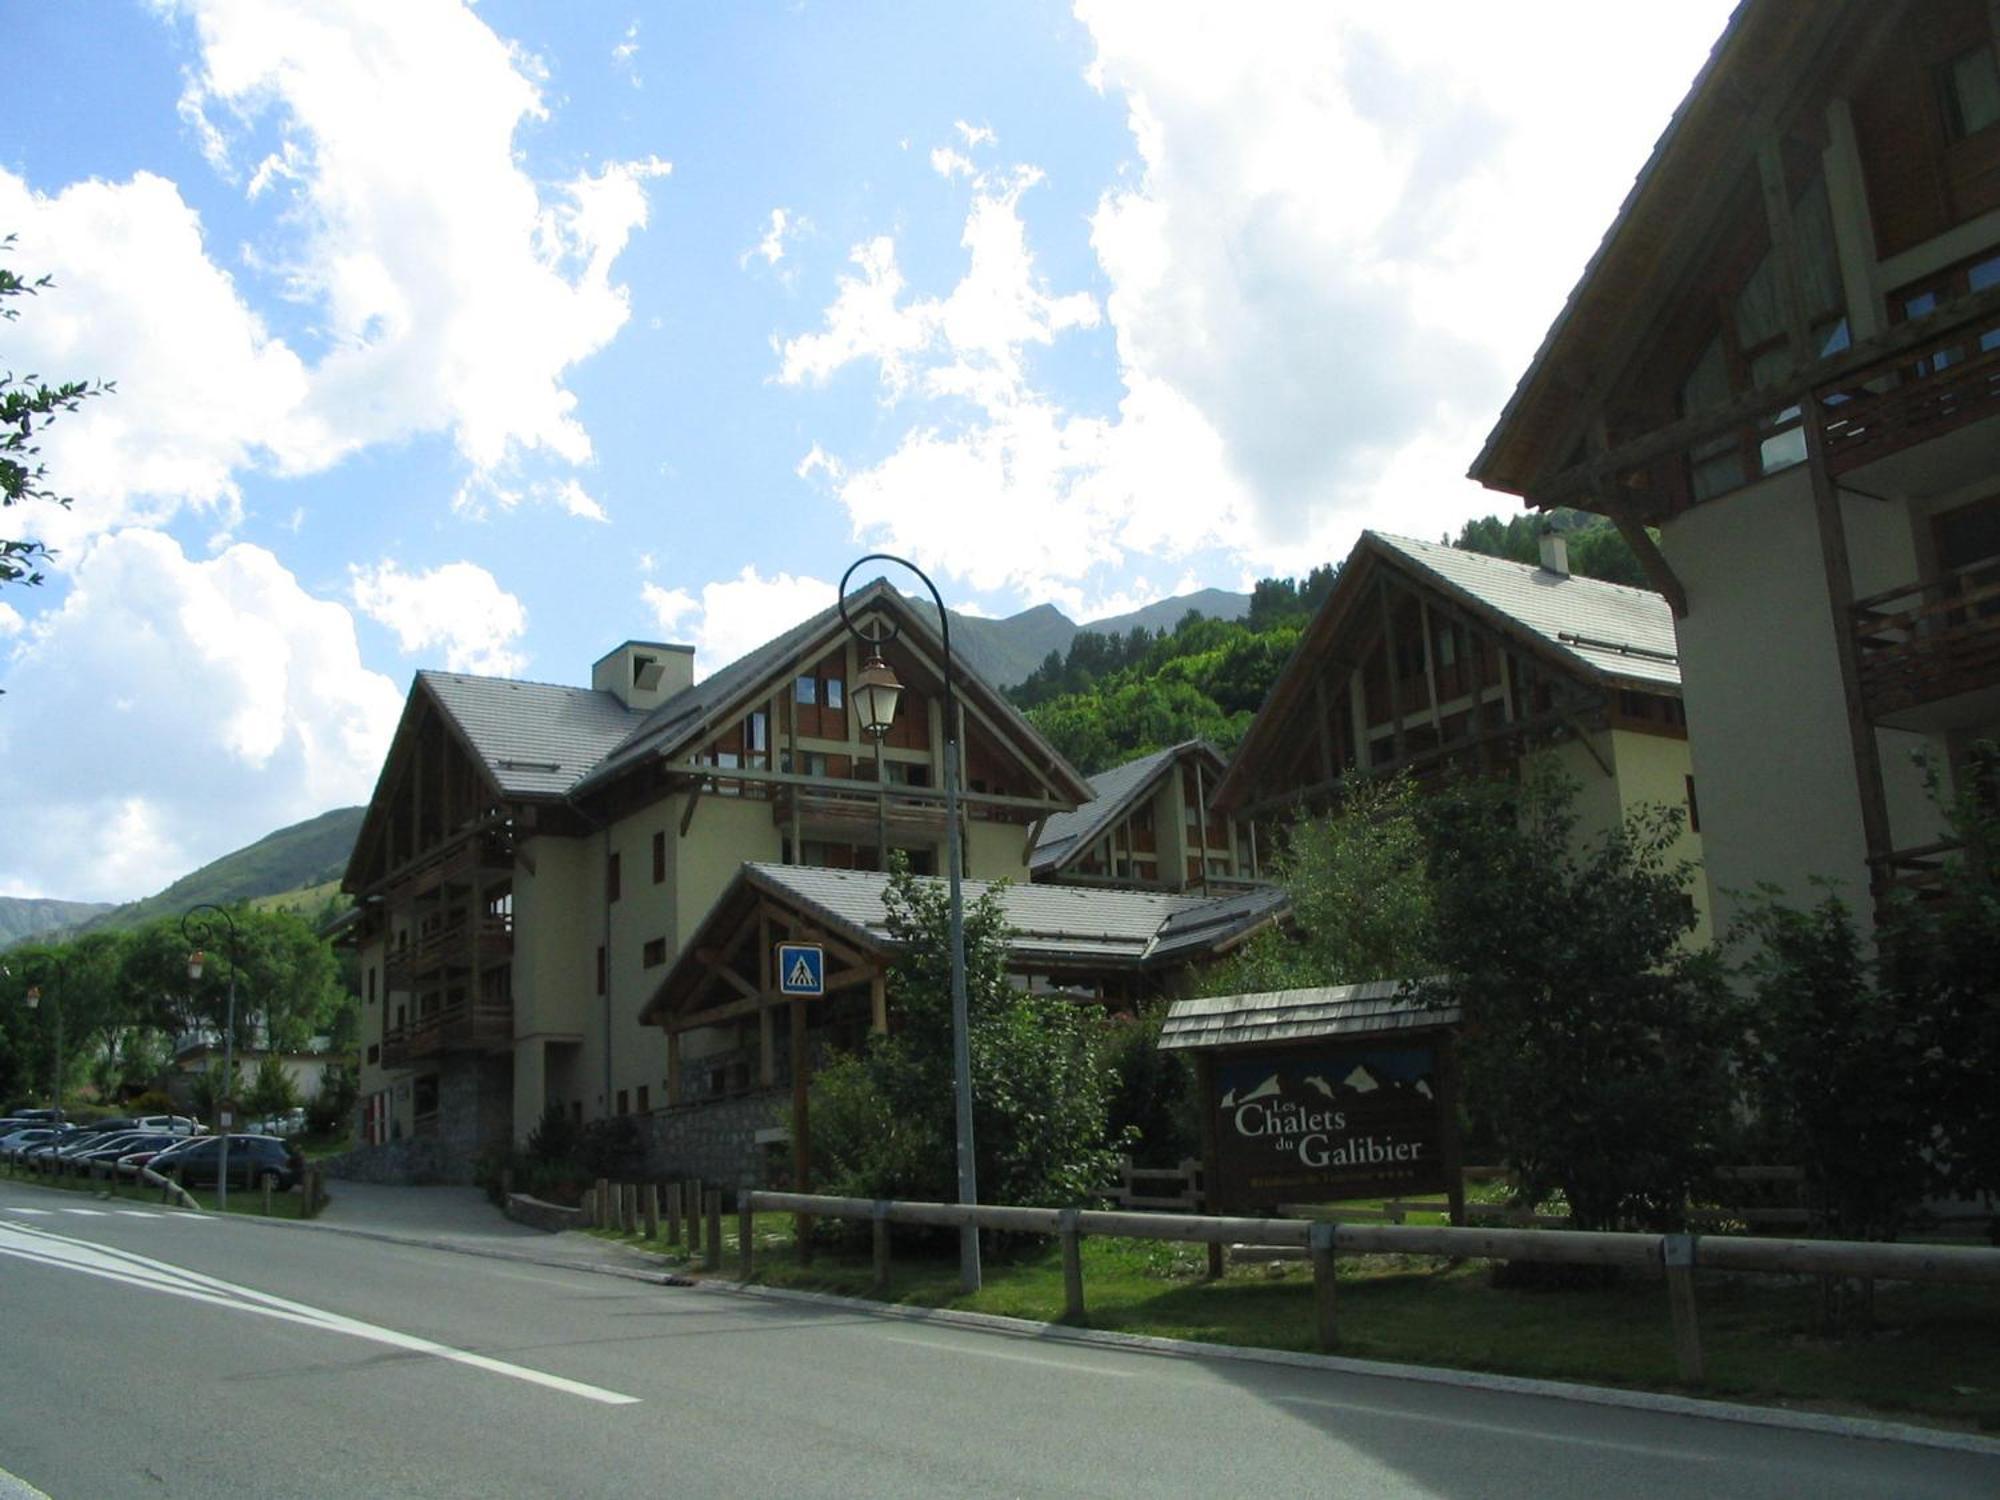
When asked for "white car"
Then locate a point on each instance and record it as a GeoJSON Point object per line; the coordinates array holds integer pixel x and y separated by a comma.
{"type": "Point", "coordinates": [171, 1124]}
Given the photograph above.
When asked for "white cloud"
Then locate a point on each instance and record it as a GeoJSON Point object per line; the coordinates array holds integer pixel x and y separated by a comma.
{"type": "Point", "coordinates": [246, 695]}
{"type": "Point", "coordinates": [736, 615]}
{"type": "Point", "coordinates": [446, 292]}
{"type": "Point", "coordinates": [458, 606]}
{"type": "Point", "coordinates": [949, 163]}
{"type": "Point", "coordinates": [10, 620]}
{"type": "Point", "coordinates": [784, 225]}
{"type": "Point", "coordinates": [976, 135]}
{"type": "Point", "coordinates": [479, 495]}
{"type": "Point", "coordinates": [624, 56]}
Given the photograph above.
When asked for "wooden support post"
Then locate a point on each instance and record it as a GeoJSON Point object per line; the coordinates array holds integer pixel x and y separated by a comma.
{"type": "Point", "coordinates": [1451, 1148]}
{"type": "Point", "coordinates": [878, 1004]}
{"type": "Point", "coordinates": [1326, 1324]}
{"type": "Point", "coordinates": [746, 1236]}
{"type": "Point", "coordinates": [1677, 1252]}
{"type": "Point", "coordinates": [266, 1182]}
{"type": "Point", "coordinates": [880, 1235]}
{"type": "Point", "coordinates": [673, 1213]}
{"type": "Point", "coordinates": [801, 1130]}
{"type": "Point", "coordinates": [631, 1208]}
{"type": "Point", "coordinates": [712, 1260]}
{"type": "Point", "coordinates": [693, 1204]}
{"type": "Point", "coordinates": [1072, 1263]}
{"type": "Point", "coordinates": [1204, 1089]}
{"type": "Point", "coordinates": [607, 1212]}
{"type": "Point", "coordinates": [652, 1210]}
{"type": "Point", "coordinates": [587, 1208]}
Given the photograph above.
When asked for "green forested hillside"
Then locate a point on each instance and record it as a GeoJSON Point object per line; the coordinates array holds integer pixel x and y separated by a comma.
{"type": "Point", "coordinates": [25, 916]}
{"type": "Point", "coordinates": [1110, 698]}
{"type": "Point", "coordinates": [290, 860]}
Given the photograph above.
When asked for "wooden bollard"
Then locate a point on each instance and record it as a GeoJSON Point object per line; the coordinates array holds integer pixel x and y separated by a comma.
{"type": "Point", "coordinates": [1326, 1326]}
{"type": "Point", "coordinates": [694, 1217]}
{"type": "Point", "coordinates": [1677, 1254]}
{"type": "Point", "coordinates": [879, 1233]}
{"type": "Point", "coordinates": [266, 1181]}
{"type": "Point", "coordinates": [607, 1211]}
{"type": "Point", "coordinates": [628, 1208]}
{"type": "Point", "coordinates": [673, 1213]}
{"type": "Point", "coordinates": [650, 1202]}
{"type": "Point", "coordinates": [587, 1208]}
{"type": "Point", "coordinates": [712, 1258]}
{"type": "Point", "coordinates": [746, 1236]}
{"type": "Point", "coordinates": [1072, 1263]}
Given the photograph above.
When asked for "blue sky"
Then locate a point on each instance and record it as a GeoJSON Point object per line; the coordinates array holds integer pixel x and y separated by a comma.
{"type": "Point", "coordinates": [488, 337]}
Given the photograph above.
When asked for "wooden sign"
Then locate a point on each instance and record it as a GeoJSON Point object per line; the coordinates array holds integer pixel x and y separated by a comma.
{"type": "Point", "coordinates": [1320, 1123]}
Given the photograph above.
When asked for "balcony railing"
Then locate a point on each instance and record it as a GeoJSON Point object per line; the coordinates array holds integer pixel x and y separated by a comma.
{"type": "Point", "coordinates": [838, 809]}
{"type": "Point", "coordinates": [1914, 396]}
{"type": "Point", "coordinates": [1926, 642]}
{"type": "Point", "coordinates": [464, 1026]}
{"type": "Point", "coordinates": [452, 945]}
{"type": "Point", "coordinates": [1920, 870]}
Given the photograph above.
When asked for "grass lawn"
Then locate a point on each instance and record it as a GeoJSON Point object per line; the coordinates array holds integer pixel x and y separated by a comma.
{"type": "Point", "coordinates": [241, 1200]}
{"type": "Point", "coordinates": [1934, 1355]}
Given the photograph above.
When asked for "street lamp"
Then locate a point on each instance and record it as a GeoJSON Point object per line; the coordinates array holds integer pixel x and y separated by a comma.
{"type": "Point", "coordinates": [876, 693]}
{"type": "Point", "coordinates": [197, 938]}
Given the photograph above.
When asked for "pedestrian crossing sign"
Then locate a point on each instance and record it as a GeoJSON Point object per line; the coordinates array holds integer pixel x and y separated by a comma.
{"type": "Point", "coordinates": [801, 969]}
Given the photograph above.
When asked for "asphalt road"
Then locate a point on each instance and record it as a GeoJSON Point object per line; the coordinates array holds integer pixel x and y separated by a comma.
{"type": "Point", "coordinates": [168, 1355]}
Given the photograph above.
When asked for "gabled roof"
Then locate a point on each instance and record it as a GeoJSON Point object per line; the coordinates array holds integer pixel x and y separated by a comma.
{"type": "Point", "coordinates": [1607, 633]}
{"type": "Point", "coordinates": [1611, 630]}
{"type": "Point", "coordinates": [1297, 1015]}
{"type": "Point", "coordinates": [1067, 835]}
{"type": "Point", "coordinates": [1700, 155]}
{"type": "Point", "coordinates": [535, 738]}
{"type": "Point", "coordinates": [1054, 927]}
{"type": "Point", "coordinates": [686, 719]}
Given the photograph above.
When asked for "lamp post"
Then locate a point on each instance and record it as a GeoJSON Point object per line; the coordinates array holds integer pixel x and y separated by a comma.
{"type": "Point", "coordinates": [33, 997]}
{"type": "Point", "coordinates": [876, 692]}
{"type": "Point", "coordinates": [197, 937]}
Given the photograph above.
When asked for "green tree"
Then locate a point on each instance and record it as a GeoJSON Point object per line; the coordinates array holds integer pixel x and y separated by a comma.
{"type": "Point", "coordinates": [1594, 1040]}
{"type": "Point", "coordinates": [271, 1091]}
{"type": "Point", "coordinates": [26, 404]}
{"type": "Point", "coordinates": [883, 1123]}
{"type": "Point", "coordinates": [1358, 882]}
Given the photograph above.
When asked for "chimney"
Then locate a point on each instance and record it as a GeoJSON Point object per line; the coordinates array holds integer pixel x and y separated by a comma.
{"type": "Point", "coordinates": [644, 674]}
{"type": "Point", "coordinates": [1555, 553]}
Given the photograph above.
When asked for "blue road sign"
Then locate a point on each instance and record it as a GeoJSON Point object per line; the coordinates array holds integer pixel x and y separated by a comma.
{"type": "Point", "coordinates": [801, 969]}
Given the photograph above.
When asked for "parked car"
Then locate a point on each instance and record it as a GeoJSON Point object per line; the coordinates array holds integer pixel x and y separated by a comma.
{"type": "Point", "coordinates": [171, 1124]}
{"type": "Point", "coordinates": [18, 1144]}
{"type": "Point", "coordinates": [250, 1157]}
{"type": "Point", "coordinates": [123, 1144]}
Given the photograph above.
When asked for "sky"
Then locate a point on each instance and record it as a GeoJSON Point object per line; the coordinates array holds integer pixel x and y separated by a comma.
{"type": "Point", "coordinates": [487, 337]}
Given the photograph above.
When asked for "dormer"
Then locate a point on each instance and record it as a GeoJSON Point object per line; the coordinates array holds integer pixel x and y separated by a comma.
{"type": "Point", "coordinates": [644, 674]}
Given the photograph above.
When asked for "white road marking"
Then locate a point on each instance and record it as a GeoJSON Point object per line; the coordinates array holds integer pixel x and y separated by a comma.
{"type": "Point", "coordinates": [1502, 1429]}
{"type": "Point", "coordinates": [41, 1247]}
{"type": "Point", "coordinates": [1025, 1359]}
{"type": "Point", "coordinates": [137, 1213]}
{"type": "Point", "coordinates": [88, 1213]}
{"type": "Point", "coordinates": [38, 1213]}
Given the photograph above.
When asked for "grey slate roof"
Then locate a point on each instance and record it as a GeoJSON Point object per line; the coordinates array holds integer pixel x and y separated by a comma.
{"type": "Point", "coordinates": [1067, 834]}
{"type": "Point", "coordinates": [1615, 631]}
{"type": "Point", "coordinates": [1295, 1015]}
{"type": "Point", "coordinates": [683, 718]}
{"type": "Point", "coordinates": [1052, 923]}
{"type": "Point", "coordinates": [537, 738]}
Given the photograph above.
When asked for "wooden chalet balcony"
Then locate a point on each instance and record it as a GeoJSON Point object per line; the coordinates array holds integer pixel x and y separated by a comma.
{"type": "Point", "coordinates": [467, 1026]}
{"type": "Point", "coordinates": [1913, 396]}
{"type": "Point", "coordinates": [1925, 644]}
{"type": "Point", "coordinates": [1920, 870]}
{"type": "Point", "coordinates": [487, 854]}
{"type": "Point", "coordinates": [915, 812]}
{"type": "Point", "coordinates": [454, 945]}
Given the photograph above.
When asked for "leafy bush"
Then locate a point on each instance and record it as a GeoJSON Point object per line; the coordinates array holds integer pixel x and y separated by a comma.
{"type": "Point", "coordinates": [272, 1091]}
{"type": "Point", "coordinates": [1153, 1104]}
{"type": "Point", "coordinates": [1595, 1043]}
{"type": "Point", "coordinates": [332, 1108]}
{"type": "Point", "coordinates": [884, 1120]}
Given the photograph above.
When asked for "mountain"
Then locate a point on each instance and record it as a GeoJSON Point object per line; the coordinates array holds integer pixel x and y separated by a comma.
{"type": "Point", "coordinates": [1006, 651]}
{"type": "Point", "coordinates": [292, 860]}
{"type": "Point", "coordinates": [30, 916]}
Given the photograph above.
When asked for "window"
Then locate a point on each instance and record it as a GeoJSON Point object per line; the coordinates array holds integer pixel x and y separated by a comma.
{"type": "Point", "coordinates": [1969, 90]}
{"type": "Point", "coordinates": [374, 1054]}
{"type": "Point", "coordinates": [805, 690]}
{"type": "Point", "coordinates": [600, 969]}
{"type": "Point", "coordinates": [1694, 808]}
{"type": "Point", "coordinates": [836, 693]}
{"type": "Point", "coordinates": [757, 733]}
{"type": "Point", "coordinates": [645, 1099]}
{"type": "Point", "coordinates": [576, 1111]}
{"type": "Point", "coordinates": [659, 858]}
{"type": "Point", "coordinates": [611, 879]}
{"type": "Point", "coordinates": [624, 1102]}
{"type": "Point", "coordinates": [656, 952]}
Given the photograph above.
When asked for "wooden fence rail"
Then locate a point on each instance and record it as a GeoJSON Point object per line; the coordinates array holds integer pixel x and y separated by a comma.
{"type": "Point", "coordinates": [1675, 1256]}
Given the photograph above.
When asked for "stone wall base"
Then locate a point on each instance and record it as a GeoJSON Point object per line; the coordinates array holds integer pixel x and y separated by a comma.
{"type": "Point", "coordinates": [716, 1140]}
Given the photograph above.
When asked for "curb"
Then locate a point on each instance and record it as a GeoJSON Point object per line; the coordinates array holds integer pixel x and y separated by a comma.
{"type": "Point", "coordinates": [1868, 1429]}
{"type": "Point", "coordinates": [1872, 1429]}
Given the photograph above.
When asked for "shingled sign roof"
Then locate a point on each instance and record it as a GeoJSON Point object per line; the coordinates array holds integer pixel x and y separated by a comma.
{"type": "Point", "coordinates": [1276, 1016]}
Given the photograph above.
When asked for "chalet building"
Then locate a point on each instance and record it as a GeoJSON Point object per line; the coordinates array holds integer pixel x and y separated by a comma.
{"type": "Point", "coordinates": [1148, 825]}
{"type": "Point", "coordinates": [740, 1052]}
{"type": "Point", "coordinates": [535, 856]}
{"type": "Point", "coordinates": [1785, 358]}
{"type": "Point", "coordinates": [1425, 658]}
